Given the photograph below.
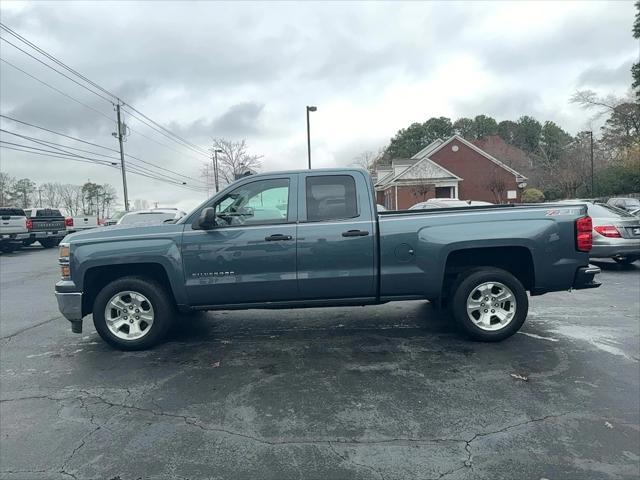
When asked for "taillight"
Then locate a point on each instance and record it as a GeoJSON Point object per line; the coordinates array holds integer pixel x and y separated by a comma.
{"type": "Point", "coordinates": [29, 224]}
{"type": "Point", "coordinates": [608, 231]}
{"type": "Point", "coordinates": [68, 222]}
{"type": "Point", "coordinates": [584, 234]}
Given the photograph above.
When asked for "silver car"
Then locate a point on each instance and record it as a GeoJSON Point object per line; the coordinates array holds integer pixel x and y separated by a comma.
{"type": "Point", "coordinates": [616, 233]}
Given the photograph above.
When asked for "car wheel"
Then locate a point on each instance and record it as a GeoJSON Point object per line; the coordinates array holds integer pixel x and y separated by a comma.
{"type": "Point", "coordinates": [625, 260]}
{"type": "Point", "coordinates": [47, 242]}
{"type": "Point", "coordinates": [133, 313]}
{"type": "Point", "coordinates": [26, 243]}
{"type": "Point", "coordinates": [489, 304]}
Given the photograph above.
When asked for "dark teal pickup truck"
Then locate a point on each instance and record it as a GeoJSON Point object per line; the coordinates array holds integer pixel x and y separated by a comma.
{"type": "Point", "coordinates": [313, 238]}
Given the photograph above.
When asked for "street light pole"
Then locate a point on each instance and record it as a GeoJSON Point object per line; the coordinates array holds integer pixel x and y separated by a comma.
{"type": "Point", "coordinates": [592, 189]}
{"type": "Point", "coordinates": [309, 109]}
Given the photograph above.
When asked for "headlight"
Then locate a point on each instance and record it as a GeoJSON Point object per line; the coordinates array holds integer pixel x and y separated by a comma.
{"type": "Point", "coordinates": [63, 260]}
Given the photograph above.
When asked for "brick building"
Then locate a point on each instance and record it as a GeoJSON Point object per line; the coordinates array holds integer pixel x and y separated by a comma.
{"type": "Point", "coordinates": [452, 168]}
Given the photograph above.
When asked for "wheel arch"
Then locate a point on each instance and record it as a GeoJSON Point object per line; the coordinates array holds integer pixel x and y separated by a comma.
{"type": "Point", "coordinates": [517, 260]}
{"type": "Point", "coordinates": [96, 278]}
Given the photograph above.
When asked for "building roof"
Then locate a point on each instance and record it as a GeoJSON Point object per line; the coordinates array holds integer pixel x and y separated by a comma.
{"type": "Point", "coordinates": [422, 169]}
{"type": "Point", "coordinates": [425, 168]}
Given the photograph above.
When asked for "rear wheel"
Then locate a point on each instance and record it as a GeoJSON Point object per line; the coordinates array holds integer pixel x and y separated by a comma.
{"type": "Point", "coordinates": [133, 313]}
{"type": "Point", "coordinates": [489, 304]}
{"type": "Point", "coordinates": [49, 242]}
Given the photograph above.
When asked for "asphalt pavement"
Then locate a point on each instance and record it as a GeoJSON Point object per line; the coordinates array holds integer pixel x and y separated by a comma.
{"type": "Point", "coordinates": [386, 392]}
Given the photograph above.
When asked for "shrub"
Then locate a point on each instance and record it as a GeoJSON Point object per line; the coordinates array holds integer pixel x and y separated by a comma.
{"type": "Point", "coordinates": [532, 195]}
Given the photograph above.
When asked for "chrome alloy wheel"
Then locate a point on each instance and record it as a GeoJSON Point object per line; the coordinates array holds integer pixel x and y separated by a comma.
{"type": "Point", "coordinates": [491, 306]}
{"type": "Point", "coordinates": [129, 315]}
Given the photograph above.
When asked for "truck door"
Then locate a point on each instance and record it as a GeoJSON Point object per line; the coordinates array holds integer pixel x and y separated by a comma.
{"type": "Point", "coordinates": [336, 237]}
{"type": "Point", "coordinates": [250, 255]}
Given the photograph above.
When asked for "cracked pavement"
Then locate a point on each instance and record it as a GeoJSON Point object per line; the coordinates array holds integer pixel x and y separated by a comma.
{"type": "Point", "coordinates": [387, 392]}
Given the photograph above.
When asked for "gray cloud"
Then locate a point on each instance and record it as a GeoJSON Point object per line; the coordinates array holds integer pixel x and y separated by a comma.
{"type": "Point", "coordinates": [603, 76]}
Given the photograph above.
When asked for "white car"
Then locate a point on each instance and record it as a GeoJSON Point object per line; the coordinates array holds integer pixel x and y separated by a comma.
{"type": "Point", "coordinates": [155, 216]}
{"type": "Point", "coordinates": [447, 203]}
{"type": "Point", "coordinates": [13, 228]}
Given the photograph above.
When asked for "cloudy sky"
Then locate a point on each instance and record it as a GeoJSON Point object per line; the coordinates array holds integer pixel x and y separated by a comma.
{"type": "Point", "coordinates": [248, 70]}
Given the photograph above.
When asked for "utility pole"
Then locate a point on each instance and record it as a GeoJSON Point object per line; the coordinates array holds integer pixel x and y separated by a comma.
{"type": "Point", "coordinates": [40, 197]}
{"type": "Point", "coordinates": [592, 189]}
{"type": "Point", "coordinates": [215, 167]}
{"type": "Point", "coordinates": [120, 135]}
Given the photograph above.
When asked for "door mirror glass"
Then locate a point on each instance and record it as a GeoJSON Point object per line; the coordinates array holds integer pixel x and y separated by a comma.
{"type": "Point", "coordinates": [207, 219]}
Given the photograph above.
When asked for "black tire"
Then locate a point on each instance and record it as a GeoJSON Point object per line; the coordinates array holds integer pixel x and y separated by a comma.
{"type": "Point", "coordinates": [468, 283]}
{"type": "Point", "coordinates": [48, 242]}
{"type": "Point", "coordinates": [26, 243]}
{"type": "Point", "coordinates": [159, 299]}
{"type": "Point", "coordinates": [625, 260]}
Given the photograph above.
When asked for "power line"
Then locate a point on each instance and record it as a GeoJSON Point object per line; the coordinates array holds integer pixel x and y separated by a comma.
{"type": "Point", "coordinates": [56, 70]}
{"type": "Point", "coordinates": [80, 158]}
{"type": "Point", "coordinates": [54, 59]}
{"type": "Point", "coordinates": [160, 129]}
{"type": "Point", "coordinates": [56, 89]}
{"type": "Point", "coordinates": [57, 133]}
{"type": "Point", "coordinates": [96, 145]}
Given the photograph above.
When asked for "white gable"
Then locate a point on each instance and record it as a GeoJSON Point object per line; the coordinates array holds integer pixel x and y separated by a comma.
{"type": "Point", "coordinates": [426, 151]}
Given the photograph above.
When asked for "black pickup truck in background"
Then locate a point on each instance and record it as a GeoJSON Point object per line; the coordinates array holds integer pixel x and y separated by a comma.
{"type": "Point", "coordinates": [45, 225]}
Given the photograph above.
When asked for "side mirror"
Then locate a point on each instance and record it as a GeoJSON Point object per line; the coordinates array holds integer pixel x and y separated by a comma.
{"type": "Point", "coordinates": [207, 219]}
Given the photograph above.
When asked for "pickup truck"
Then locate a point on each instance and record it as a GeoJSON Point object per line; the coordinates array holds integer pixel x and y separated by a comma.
{"type": "Point", "coordinates": [13, 228]}
{"type": "Point", "coordinates": [45, 225]}
{"type": "Point", "coordinates": [80, 222]}
{"type": "Point", "coordinates": [313, 238]}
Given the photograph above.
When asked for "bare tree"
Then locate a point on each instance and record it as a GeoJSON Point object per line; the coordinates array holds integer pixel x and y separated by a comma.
{"type": "Point", "coordinates": [51, 194]}
{"type": "Point", "coordinates": [365, 160]}
{"type": "Point", "coordinates": [497, 186]}
{"type": "Point", "coordinates": [6, 184]}
{"type": "Point", "coordinates": [421, 190]}
{"type": "Point", "coordinates": [235, 159]}
{"type": "Point", "coordinates": [71, 198]}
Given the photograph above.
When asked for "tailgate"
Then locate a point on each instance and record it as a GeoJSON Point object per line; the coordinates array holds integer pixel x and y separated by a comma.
{"type": "Point", "coordinates": [47, 224]}
{"type": "Point", "coordinates": [12, 224]}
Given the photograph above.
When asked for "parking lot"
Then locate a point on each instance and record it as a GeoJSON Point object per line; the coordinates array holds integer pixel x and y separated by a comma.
{"type": "Point", "coordinates": [387, 392]}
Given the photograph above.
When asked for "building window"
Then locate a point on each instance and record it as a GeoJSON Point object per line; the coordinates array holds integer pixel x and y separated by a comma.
{"type": "Point", "coordinates": [444, 192]}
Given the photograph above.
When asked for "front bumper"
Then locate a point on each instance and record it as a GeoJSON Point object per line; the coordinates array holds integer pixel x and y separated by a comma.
{"type": "Point", "coordinates": [585, 278]}
{"type": "Point", "coordinates": [70, 305]}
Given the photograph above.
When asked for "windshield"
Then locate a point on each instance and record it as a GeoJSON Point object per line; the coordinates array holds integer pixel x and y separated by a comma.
{"type": "Point", "coordinates": [154, 218]}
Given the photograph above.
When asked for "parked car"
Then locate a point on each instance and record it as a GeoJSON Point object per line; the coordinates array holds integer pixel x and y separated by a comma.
{"type": "Point", "coordinates": [154, 216]}
{"type": "Point", "coordinates": [627, 204]}
{"type": "Point", "coordinates": [381, 208]}
{"type": "Point", "coordinates": [331, 247]}
{"type": "Point", "coordinates": [13, 228]}
{"type": "Point", "coordinates": [81, 222]}
{"type": "Point", "coordinates": [113, 219]}
{"type": "Point", "coordinates": [45, 225]}
{"type": "Point", "coordinates": [616, 233]}
{"type": "Point", "coordinates": [636, 212]}
{"type": "Point", "coordinates": [433, 203]}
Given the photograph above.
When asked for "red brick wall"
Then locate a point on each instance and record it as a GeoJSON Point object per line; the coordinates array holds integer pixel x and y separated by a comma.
{"type": "Point", "coordinates": [407, 197]}
{"type": "Point", "coordinates": [477, 171]}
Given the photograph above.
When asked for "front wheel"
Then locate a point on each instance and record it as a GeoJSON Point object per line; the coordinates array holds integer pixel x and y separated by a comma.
{"type": "Point", "coordinates": [490, 304]}
{"type": "Point", "coordinates": [133, 313]}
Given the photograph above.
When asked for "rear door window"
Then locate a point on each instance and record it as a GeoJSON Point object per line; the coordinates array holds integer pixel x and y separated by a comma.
{"type": "Point", "coordinates": [11, 212]}
{"type": "Point", "coordinates": [331, 197]}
